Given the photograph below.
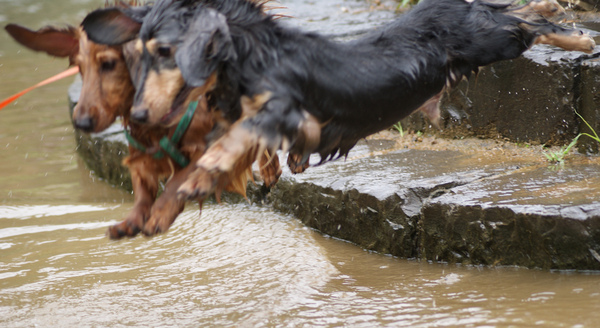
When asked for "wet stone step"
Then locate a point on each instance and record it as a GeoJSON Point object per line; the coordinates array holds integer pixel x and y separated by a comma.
{"type": "Point", "coordinates": [450, 206]}
{"type": "Point", "coordinates": [533, 217]}
{"type": "Point", "coordinates": [438, 205]}
{"type": "Point", "coordinates": [533, 99]}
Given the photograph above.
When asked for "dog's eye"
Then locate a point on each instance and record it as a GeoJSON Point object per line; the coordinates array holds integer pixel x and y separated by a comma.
{"type": "Point", "coordinates": [164, 51]}
{"type": "Point", "coordinates": [108, 65]}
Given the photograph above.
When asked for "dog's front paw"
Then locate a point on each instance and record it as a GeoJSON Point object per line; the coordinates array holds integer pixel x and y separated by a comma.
{"type": "Point", "coordinates": [156, 226]}
{"type": "Point", "coordinates": [127, 228]}
{"type": "Point", "coordinates": [162, 217]}
{"type": "Point", "coordinates": [270, 170]}
{"type": "Point", "coordinates": [295, 165]}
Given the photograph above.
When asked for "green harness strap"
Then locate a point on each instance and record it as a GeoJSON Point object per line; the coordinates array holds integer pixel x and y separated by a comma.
{"type": "Point", "coordinates": [170, 145]}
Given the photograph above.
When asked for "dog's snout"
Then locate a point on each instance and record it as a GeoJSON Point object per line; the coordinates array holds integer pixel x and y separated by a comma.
{"type": "Point", "coordinates": [85, 124]}
{"type": "Point", "coordinates": [140, 116]}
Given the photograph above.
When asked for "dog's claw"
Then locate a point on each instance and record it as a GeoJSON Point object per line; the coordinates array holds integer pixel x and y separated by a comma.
{"type": "Point", "coordinates": [155, 227]}
{"type": "Point", "coordinates": [150, 230]}
{"type": "Point", "coordinates": [150, 233]}
{"type": "Point", "coordinates": [123, 229]}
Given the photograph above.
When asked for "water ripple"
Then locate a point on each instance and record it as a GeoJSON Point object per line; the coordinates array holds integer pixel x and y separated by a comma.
{"type": "Point", "coordinates": [38, 211]}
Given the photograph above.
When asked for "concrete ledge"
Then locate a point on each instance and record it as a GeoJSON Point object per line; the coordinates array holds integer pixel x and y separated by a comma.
{"type": "Point", "coordinates": [487, 203]}
{"type": "Point", "coordinates": [103, 153]}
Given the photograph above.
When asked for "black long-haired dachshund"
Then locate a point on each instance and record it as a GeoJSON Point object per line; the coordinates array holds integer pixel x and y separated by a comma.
{"type": "Point", "coordinates": [305, 93]}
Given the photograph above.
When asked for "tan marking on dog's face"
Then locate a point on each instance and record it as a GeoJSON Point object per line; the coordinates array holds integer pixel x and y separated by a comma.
{"type": "Point", "coordinates": [151, 45]}
{"type": "Point", "coordinates": [251, 106]}
{"type": "Point", "coordinates": [162, 86]}
{"type": "Point", "coordinates": [107, 91]}
{"type": "Point", "coordinates": [139, 46]}
{"type": "Point", "coordinates": [160, 90]}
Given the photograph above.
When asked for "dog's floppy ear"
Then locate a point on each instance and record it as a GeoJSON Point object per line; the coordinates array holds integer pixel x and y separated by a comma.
{"type": "Point", "coordinates": [111, 26]}
{"type": "Point", "coordinates": [206, 44]}
{"type": "Point", "coordinates": [54, 41]}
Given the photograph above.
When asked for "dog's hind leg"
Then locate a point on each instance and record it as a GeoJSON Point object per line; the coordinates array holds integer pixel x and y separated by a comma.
{"type": "Point", "coordinates": [571, 40]}
{"type": "Point", "coordinates": [145, 187]}
{"type": "Point", "coordinates": [533, 22]}
{"type": "Point", "coordinates": [431, 109]}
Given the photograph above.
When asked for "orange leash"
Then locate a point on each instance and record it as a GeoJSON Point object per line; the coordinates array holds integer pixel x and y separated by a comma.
{"type": "Point", "coordinates": [71, 71]}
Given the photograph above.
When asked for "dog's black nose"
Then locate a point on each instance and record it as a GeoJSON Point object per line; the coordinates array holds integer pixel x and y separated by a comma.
{"type": "Point", "coordinates": [140, 116]}
{"type": "Point", "coordinates": [85, 124]}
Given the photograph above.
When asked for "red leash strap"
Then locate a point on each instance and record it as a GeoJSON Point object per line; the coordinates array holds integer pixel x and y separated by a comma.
{"type": "Point", "coordinates": [71, 71]}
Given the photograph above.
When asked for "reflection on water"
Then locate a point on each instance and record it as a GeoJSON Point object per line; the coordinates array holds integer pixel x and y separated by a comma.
{"type": "Point", "coordinates": [193, 274]}
{"type": "Point", "coordinates": [237, 265]}
{"type": "Point", "coordinates": [242, 265]}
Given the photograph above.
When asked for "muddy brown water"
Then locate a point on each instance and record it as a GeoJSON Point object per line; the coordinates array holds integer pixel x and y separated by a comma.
{"type": "Point", "coordinates": [238, 265]}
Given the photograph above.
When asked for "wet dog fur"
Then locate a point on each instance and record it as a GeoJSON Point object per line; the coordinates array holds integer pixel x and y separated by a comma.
{"type": "Point", "coordinates": [291, 90]}
{"type": "Point", "coordinates": [303, 93]}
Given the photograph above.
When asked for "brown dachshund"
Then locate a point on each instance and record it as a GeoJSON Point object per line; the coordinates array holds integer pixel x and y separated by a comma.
{"type": "Point", "coordinates": [107, 93]}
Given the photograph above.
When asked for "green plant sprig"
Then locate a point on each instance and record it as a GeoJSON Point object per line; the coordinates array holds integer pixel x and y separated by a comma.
{"type": "Point", "coordinates": [559, 156]}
